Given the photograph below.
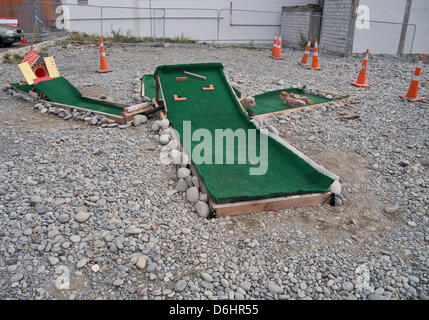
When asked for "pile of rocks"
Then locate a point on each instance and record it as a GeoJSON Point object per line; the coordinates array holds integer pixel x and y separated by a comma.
{"type": "Point", "coordinates": [137, 82]}
{"type": "Point", "coordinates": [294, 100]}
{"type": "Point", "coordinates": [317, 93]}
{"type": "Point", "coordinates": [171, 154]}
{"type": "Point", "coordinates": [66, 114]}
{"type": "Point", "coordinates": [248, 102]}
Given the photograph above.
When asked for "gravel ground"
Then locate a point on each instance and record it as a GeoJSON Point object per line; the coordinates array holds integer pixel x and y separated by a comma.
{"type": "Point", "coordinates": [90, 212]}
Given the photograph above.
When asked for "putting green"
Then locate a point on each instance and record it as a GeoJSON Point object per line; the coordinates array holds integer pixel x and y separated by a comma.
{"type": "Point", "coordinates": [23, 87]}
{"type": "Point", "coordinates": [149, 86]}
{"type": "Point", "coordinates": [61, 91]}
{"type": "Point", "coordinates": [270, 101]}
{"type": "Point", "coordinates": [286, 173]}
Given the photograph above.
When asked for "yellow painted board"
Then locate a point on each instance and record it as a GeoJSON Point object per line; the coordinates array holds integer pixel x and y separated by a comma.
{"type": "Point", "coordinates": [27, 72]}
{"type": "Point", "coordinates": [52, 67]}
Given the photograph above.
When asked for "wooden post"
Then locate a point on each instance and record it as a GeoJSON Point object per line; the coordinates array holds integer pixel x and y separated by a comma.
{"type": "Point", "coordinates": [32, 37]}
{"type": "Point", "coordinates": [156, 89]}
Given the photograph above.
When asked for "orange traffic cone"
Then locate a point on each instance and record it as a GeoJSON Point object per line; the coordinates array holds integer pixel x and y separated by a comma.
{"type": "Point", "coordinates": [276, 53]}
{"type": "Point", "coordinates": [279, 47]}
{"type": "Point", "coordinates": [414, 85]}
{"type": "Point", "coordinates": [24, 41]}
{"type": "Point", "coordinates": [315, 60]}
{"type": "Point", "coordinates": [273, 51]}
{"type": "Point", "coordinates": [304, 59]}
{"type": "Point", "coordinates": [362, 73]}
{"type": "Point", "coordinates": [103, 62]}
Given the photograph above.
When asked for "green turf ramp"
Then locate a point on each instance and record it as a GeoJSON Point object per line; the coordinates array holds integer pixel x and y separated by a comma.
{"type": "Point", "coordinates": [60, 90]}
{"type": "Point", "coordinates": [287, 173]}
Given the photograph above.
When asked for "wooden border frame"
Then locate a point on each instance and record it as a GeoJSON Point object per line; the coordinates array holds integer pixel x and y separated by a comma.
{"type": "Point", "coordinates": [124, 118]}
{"type": "Point", "coordinates": [312, 107]}
{"type": "Point", "coordinates": [271, 204]}
{"type": "Point", "coordinates": [252, 206]}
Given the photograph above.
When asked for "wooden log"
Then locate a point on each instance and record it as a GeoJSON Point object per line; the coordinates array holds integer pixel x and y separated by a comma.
{"type": "Point", "coordinates": [137, 107]}
{"type": "Point", "coordinates": [195, 75]}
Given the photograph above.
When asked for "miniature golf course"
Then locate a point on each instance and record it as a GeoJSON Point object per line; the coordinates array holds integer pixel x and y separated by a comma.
{"type": "Point", "coordinates": [60, 90]}
{"type": "Point", "coordinates": [286, 174]}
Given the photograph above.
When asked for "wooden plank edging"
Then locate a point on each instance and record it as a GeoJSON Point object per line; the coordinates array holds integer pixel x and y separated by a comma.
{"type": "Point", "coordinates": [271, 204]}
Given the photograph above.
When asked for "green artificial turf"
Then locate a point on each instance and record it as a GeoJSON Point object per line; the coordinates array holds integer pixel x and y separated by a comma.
{"type": "Point", "coordinates": [149, 86]}
{"type": "Point", "coordinates": [61, 91]}
{"type": "Point", "coordinates": [23, 87]}
{"type": "Point", "coordinates": [270, 101]}
{"type": "Point", "coordinates": [219, 109]}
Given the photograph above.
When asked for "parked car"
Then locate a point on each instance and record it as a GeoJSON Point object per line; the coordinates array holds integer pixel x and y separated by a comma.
{"type": "Point", "coordinates": [10, 35]}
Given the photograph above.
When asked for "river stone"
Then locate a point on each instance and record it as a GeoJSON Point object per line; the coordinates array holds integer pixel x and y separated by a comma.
{"type": "Point", "coordinates": [347, 286]}
{"type": "Point", "coordinates": [181, 185]}
{"type": "Point", "coordinates": [182, 173]}
{"type": "Point", "coordinates": [164, 139]}
{"type": "Point", "coordinates": [64, 218]}
{"type": "Point", "coordinates": [274, 288]}
{"type": "Point", "coordinates": [180, 285]}
{"type": "Point", "coordinates": [192, 194]}
{"type": "Point", "coordinates": [82, 216]}
{"type": "Point", "coordinates": [164, 124]}
{"type": "Point", "coordinates": [155, 125]}
{"type": "Point", "coordinates": [139, 119]}
{"type": "Point", "coordinates": [335, 187]}
{"type": "Point", "coordinates": [81, 263]}
{"type": "Point", "coordinates": [203, 209]}
{"type": "Point", "coordinates": [195, 181]}
{"type": "Point", "coordinates": [141, 262]}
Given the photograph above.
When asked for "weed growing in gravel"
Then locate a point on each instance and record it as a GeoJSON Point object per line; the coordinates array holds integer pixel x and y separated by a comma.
{"type": "Point", "coordinates": [119, 37]}
{"type": "Point", "coordinates": [12, 58]}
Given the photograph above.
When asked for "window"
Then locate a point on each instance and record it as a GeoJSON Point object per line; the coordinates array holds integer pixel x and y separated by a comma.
{"type": "Point", "coordinates": [82, 1]}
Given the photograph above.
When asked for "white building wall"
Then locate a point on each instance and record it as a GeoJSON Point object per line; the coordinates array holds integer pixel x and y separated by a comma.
{"type": "Point", "coordinates": [420, 17]}
{"type": "Point", "coordinates": [384, 37]}
{"type": "Point", "coordinates": [198, 29]}
{"type": "Point", "coordinates": [380, 38]}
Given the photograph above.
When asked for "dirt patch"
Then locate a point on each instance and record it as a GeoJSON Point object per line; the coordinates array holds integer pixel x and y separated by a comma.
{"type": "Point", "coordinates": [36, 120]}
{"type": "Point", "coordinates": [94, 91]}
{"type": "Point", "coordinates": [76, 283]}
{"type": "Point", "coordinates": [351, 167]}
{"type": "Point", "coordinates": [358, 220]}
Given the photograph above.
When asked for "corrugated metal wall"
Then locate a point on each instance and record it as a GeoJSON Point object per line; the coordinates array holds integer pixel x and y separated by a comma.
{"type": "Point", "coordinates": [25, 10]}
{"type": "Point", "coordinates": [8, 8]}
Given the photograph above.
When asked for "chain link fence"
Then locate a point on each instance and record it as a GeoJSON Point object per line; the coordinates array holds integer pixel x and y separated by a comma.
{"type": "Point", "coordinates": [225, 25]}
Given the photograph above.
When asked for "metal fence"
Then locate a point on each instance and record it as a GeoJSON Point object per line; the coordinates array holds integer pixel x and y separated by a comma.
{"type": "Point", "coordinates": [221, 25]}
